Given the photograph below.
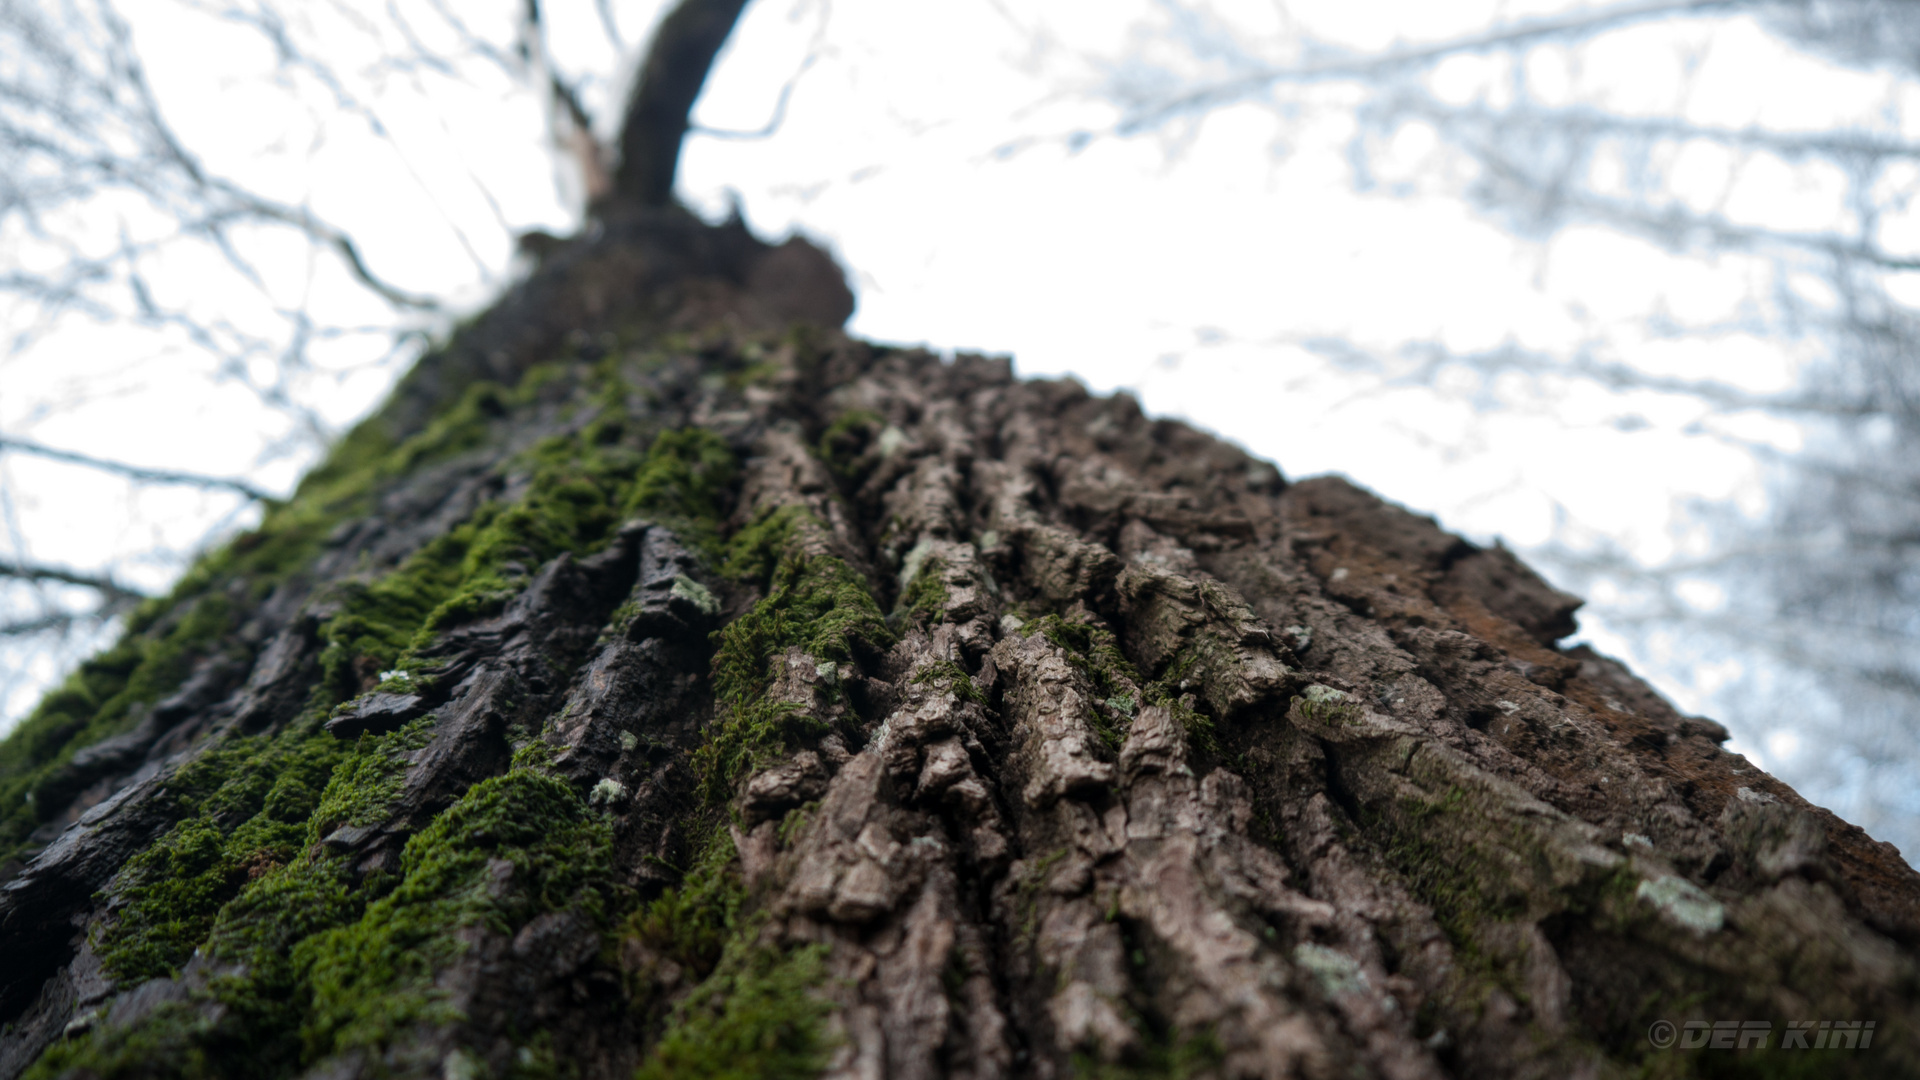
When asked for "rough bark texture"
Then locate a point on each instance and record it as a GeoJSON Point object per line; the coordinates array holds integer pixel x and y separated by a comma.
{"type": "Point", "coordinates": [655, 688]}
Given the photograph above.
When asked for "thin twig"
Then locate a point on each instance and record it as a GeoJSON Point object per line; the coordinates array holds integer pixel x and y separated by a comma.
{"type": "Point", "coordinates": [61, 621]}
{"type": "Point", "coordinates": [42, 572]}
{"type": "Point", "coordinates": [1351, 67]}
{"type": "Point", "coordinates": [137, 472]}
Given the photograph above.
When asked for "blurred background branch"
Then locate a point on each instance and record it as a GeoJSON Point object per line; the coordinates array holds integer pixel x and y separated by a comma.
{"type": "Point", "coordinates": [137, 473]}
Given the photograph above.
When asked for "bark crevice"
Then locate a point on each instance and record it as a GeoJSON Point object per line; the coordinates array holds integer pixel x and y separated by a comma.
{"type": "Point", "coordinates": [689, 692]}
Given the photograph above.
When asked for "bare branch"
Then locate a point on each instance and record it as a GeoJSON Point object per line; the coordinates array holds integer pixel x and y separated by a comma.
{"type": "Point", "coordinates": [138, 473]}
{"type": "Point", "coordinates": [1378, 65]}
{"type": "Point", "coordinates": [572, 127]}
{"type": "Point", "coordinates": [1552, 200]}
{"type": "Point", "coordinates": [308, 222]}
{"type": "Point", "coordinates": [55, 622]}
{"type": "Point", "coordinates": [815, 49]}
{"type": "Point", "coordinates": [41, 572]}
{"type": "Point", "coordinates": [1584, 123]}
{"type": "Point", "coordinates": [1422, 363]}
{"type": "Point", "coordinates": [677, 64]}
{"type": "Point", "coordinates": [610, 26]}
{"type": "Point", "coordinates": [773, 123]}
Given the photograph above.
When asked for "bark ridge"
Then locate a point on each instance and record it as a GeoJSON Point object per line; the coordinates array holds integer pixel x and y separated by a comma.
{"type": "Point", "coordinates": [659, 688]}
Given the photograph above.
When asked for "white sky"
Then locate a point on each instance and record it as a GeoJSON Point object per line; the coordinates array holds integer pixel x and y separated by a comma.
{"type": "Point", "coordinates": [1188, 270]}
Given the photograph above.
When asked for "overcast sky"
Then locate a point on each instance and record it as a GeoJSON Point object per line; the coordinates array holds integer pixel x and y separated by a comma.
{"type": "Point", "coordinates": [930, 146]}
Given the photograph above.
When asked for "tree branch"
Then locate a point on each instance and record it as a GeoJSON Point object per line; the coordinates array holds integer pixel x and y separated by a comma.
{"type": "Point", "coordinates": [682, 53]}
{"type": "Point", "coordinates": [41, 572]}
{"type": "Point", "coordinates": [61, 621]}
{"type": "Point", "coordinates": [779, 110]}
{"type": "Point", "coordinates": [1584, 23]}
{"type": "Point", "coordinates": [134, 74]}
{"type": "Point", "coordinates": [136, 472]}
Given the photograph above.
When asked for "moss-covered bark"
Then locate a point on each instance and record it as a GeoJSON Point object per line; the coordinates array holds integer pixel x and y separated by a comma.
{"type": "Point", "coordinates": [658, 687]}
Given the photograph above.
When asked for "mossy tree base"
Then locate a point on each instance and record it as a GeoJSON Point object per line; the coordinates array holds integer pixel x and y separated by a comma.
{"type": "Point", "coordinates": [656, 689]}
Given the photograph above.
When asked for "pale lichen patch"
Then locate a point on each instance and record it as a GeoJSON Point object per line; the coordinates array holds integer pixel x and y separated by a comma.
{"type": "Point", "coordinates": [1335, 971]}
{"type": "Point", "coordinates": [916, 559]}
{"type": "Point", "coordinates": [1320, 694]}
{"type": "Point", "coordinates": [1683, 904]}
{"type": "Point", "coordinates": [685, 588]}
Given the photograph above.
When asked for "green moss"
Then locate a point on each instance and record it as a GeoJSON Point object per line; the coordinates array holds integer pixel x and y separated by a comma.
{"type": "Point", "coordinates": [795, 822]}
{"type": "Point", "coordinates": [326, 965]}
{"type": "Point", "coordinates": [380, 619]}
{"type": "Point", "coordinates": [748, 735]}
{"type": "Point", "coordinates": [579, 491]}
{"type": "Point", "coordinates": [345, 485]}
{"type": "Point", "coordinates": [511, 848]}
{"type": "Point", "coordinates": [950, 676]}
{"type": "Point", "coordinates": [94, 703]}
{"type": "Point", "coordinates": [368, 779]}
{"type": "Point", "coordinates": [618, 622]}
{"type": "Point", "coordinates": [755, 551]}
{"type": "Point", "coordinates": [751, 1012]}
{"type": "Point", "coordinates": [1162, 1056]}
{"type": "Point", "coordinates": [1094, 652]}
{"type": "Point", "coordinates": [690, 924]}
{"type": "Point", "coordinates": [1166, 692]}
{"type": "Point", "coordinates": [685, 482]}
{"type": "Point", "coordinates": [244, 1024]}
{"type": "Point", "coordinates": [325, 959]}
{"type": "Point", "coordinates": [924, 600]}
{"type": "Point", "coordinates": [757, 371]}
{"type": "Point", "coordinates": [289, 889]}
{"type": "Point", "coordinates": [815, 602]}
{"type": "Point", "coordinates": [1479, 872]}
{"type": "Point", "coordinates": [580, 487]}
{"type": "Point", "coordinates": [1031, 881]}
{"type": "Point", "coordinates": [260, 928]}
{"type": "Point", "coordinates": [1197, 725]}
{"type": "Point", "coordinates": [1431, 847]}
{"type": "Point", "coordinates": [249, 808]}
{"type": "Point", "coordinates": [247, 805]}
{"type": "Point", "coordinates": [465, 426]}
{"type": "Point", "coordinates": [754, 1018]}
{"type": "Point", "coordinates": [170, 1043]}
{"type": "Point", "coordinates": [1120, 687]}
{"type": "Point", "coordinates": [1441, 850]}
{"type": "Point", "coordinates": [845, 445]}
{"type": "Point", "coordinates": [164, 637]}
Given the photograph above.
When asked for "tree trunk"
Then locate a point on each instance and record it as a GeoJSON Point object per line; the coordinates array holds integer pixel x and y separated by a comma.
{"type": "Point", "coordinates": [651, 686]}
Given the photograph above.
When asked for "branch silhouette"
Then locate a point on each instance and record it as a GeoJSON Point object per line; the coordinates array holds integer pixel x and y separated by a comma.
{"type": "Point", "coordinates": [108, 587]}
{"type": "Point", "coordinates": [140, 473]}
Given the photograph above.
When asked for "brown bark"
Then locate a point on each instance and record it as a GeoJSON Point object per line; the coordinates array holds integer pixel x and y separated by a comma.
{"type": "Point", "coordinates": [1164, 764]}
{"type": "Point", "coordinates": [650, 686]}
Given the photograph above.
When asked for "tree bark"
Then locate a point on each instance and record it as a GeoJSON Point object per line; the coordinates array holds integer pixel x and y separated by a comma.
{"type": "Point", "coordinates": [665, 684]}
{"type": "Point", "coordinates": [656, 686]}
